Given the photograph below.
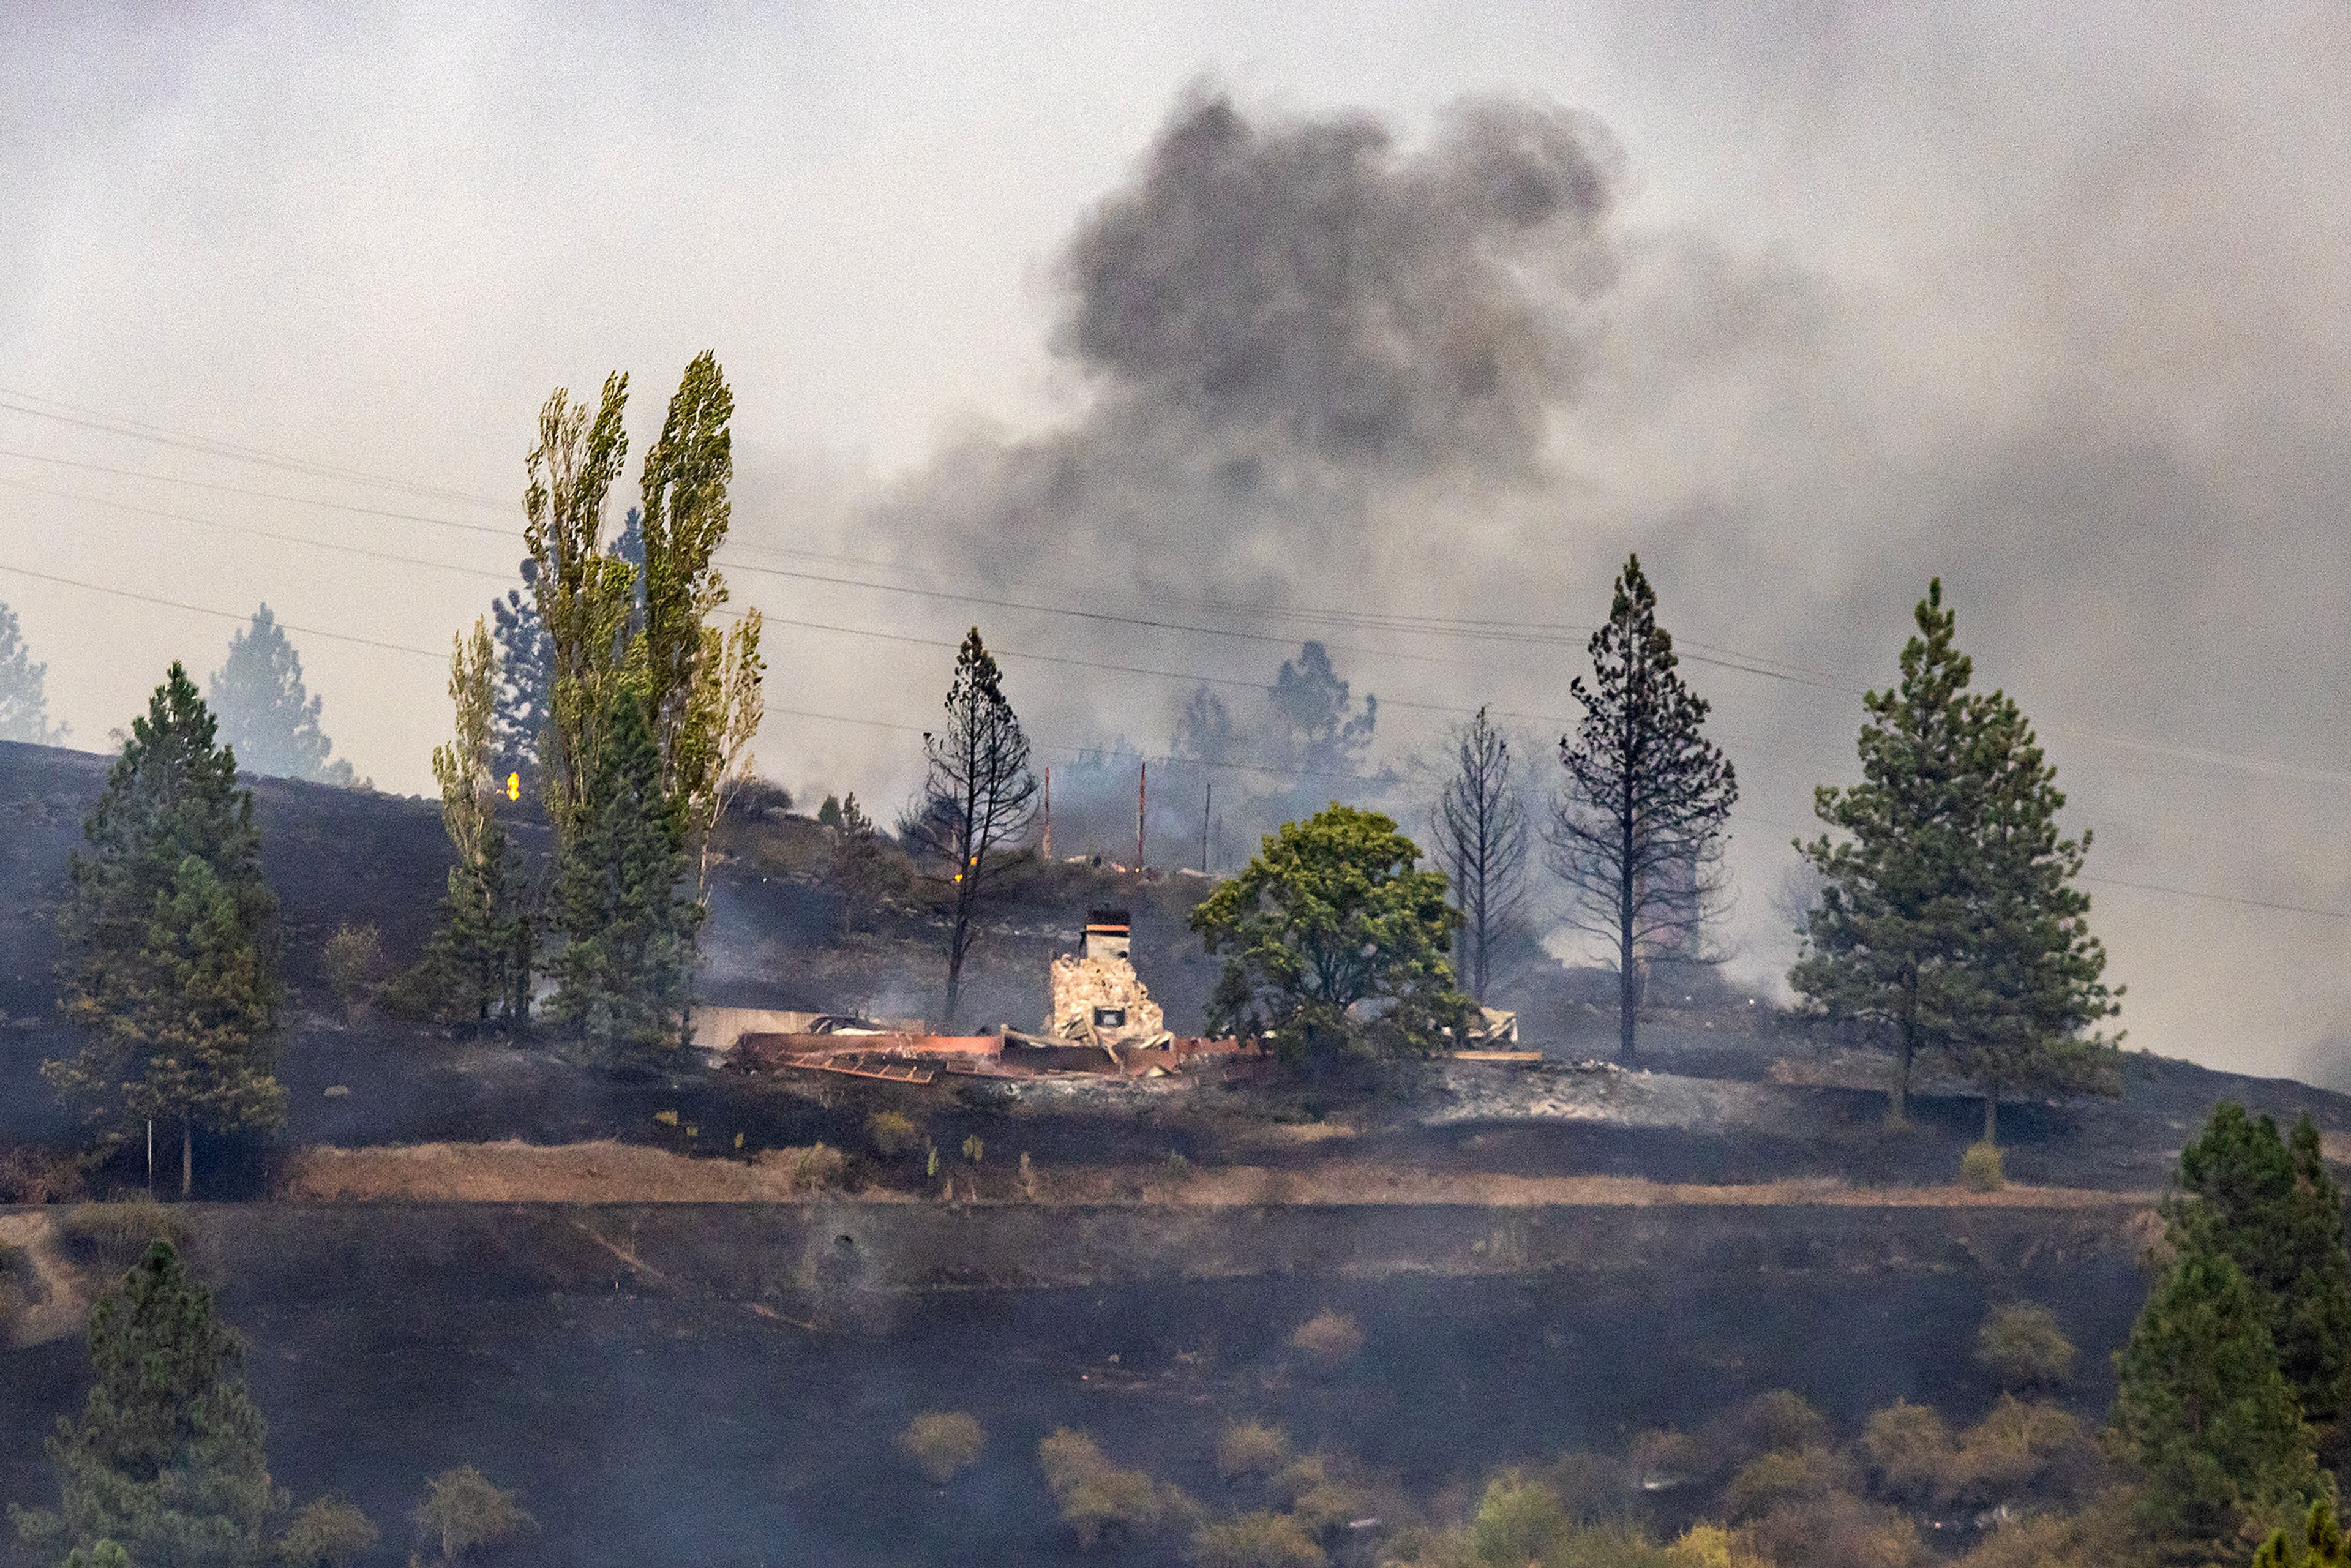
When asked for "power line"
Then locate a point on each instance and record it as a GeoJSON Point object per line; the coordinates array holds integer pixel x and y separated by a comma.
{"type": "Point", "coordinates": [220, 614]}
{"type": "Point", "coordinates": [250, 493]}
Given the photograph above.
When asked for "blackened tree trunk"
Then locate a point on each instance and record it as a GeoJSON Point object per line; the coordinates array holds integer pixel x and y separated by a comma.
{"type": "Point", "coordinates": [1638, 834]}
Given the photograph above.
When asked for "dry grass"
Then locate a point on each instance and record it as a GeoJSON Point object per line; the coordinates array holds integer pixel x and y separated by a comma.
{"type": "Point", "coordinates": [604, 1172]}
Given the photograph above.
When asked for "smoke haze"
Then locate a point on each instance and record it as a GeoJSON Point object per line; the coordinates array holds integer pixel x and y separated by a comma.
{"type": "Point", "coordinates": [1263, 332]}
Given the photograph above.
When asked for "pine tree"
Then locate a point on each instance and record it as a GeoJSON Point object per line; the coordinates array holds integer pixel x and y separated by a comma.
{"type": "Point", "coordinates": [170, 959]}
{"type": "Point", "coordinates": [267, 714]}
{"type": "Point", "coordinates": [167, 1458]}
{"type": "Point", "coordinates": [856, 867]}
{"type": "Point", "coordinates": [522, 709]}
{"type": "Point", "coordinates": [24, 689]}
{"type": "Point", "coordinates": [1949, 916]}
{"type": "Point", "coordinates": [978, 796]}
{"type": "Point", "coordinates": [2278, 1216]}
{"type": "Point", "coordinates": [625, 972]}
{"type": "Point", "coordinates": [2204, 1415]}
{"type": "Point", "coordinates": [1309, 704]}
{"type": "Point", "coordinates": [1638, 835]}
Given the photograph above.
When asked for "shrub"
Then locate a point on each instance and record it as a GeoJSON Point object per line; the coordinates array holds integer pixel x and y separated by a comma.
{"type": "Point", "coordinates": [1662, 1456]}
{"type": "Point", "coordinates": [1519, 1521]}
{"type": "Point", "coordinates": [1980, 1168]}
{"type": "Point", "coordinates": [892, 1133]}
{"type": "Point", "coordinates": [2020, 1344]}
{"type": "Point", "coordinates": [972, 1148]}
{"type": "Point", "coordinates": [354, 964]}
{"type": "Point", "coordinates": [942, 1443]}
{"type": "Point", "coordinates": [1907, 1448]}
{"type": "Point", "coordinates": [1330, 1340]}
{"type": "Point", "coordinates": [38, 1176]}
{"type": "Point", "coordinates": [1777, 1478]}
{"type": "Point", "coordinates": [1833, 1531]}
{"type": "Point", "coordinates": [1179, 1170]}
{"type": "Point", "coordinates": [814, 1169]}
{"type": "Point", "coordinates": [1250, 1448]}
{"type": "Point", "coordinates": [1099, 1501]}
{"type": "Point", "coordinates": [2020, 1448]}
{"type": "Point", "coordinates": [327, 1533]}
{"type": "Point", "coordinates": [1258, 1539]}
{"type": "Point", "coordinates": [111, 1237]}
{"type": "Point", "coordinates": [1590, 1487]}
{"type": "Point", "coordinates": [462, 1510]}
{"type": "Point", "coordinates": [1780, 1422]}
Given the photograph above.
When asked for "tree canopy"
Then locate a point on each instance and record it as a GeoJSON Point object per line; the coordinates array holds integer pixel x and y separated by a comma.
{"type": "Point", "coordinates": [24, 688]}
{"type": "Point", "coordinates": [1948, 915]}
{"type": "Point", "coordinates": [170, 957]}
{"type": "Point", "coordinates": [978, 797]}
{"type": "Point", "coordinates": [1334, 943]}
{"type": "Point", "coordinates": [267, 716]}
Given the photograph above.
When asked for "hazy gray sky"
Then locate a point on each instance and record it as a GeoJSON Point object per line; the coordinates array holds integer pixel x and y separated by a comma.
{"type": "Point", "coordinates": [1436, 312]}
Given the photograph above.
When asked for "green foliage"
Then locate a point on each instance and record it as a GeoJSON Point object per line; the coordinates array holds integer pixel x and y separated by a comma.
{"type": "Point", "coordinates": [24, 689]}
{"type": "Point", "coordinates": [167, 1457]}
{"type": "Point", "coordinates": [170, 964]}
{"type": "Point", "coordinates": [972, 1148]}
{"type": "Point", "coordinates": [462, 1510]}
{"type": "Point", "coordinates": [1781, 1421]}
{"type": "Point", "coordinates": [942, 1443]}
{"type": "Point", "coordinates": [2020, 1343]}
{"type": "Point", "coordinates": [354, 965]}
{"type": "Point", "coordinates": [1328, 1340]}
{"type": "Point", "coordinates": [857, 867]}
{"type": "Point", "coordinates": [1321, 1496]}
{"type": "Point", "coordinates": [2202, 1412]}
{"type": "Point", "coordinates": [1261, 1539]}
{"type": "Point", "coordinates": [1329, 923]}
{"type": "Point", "coordinates": [828, 815]}
{"type": "Point", "coordinates": [1950, 917]}
{"type": "Point", "coordinates": [1637, 835]}
{"type": "Point", "coordinates": [626, 967]}
{"type": "Point", "coordinates": [1519, 1521]}
{"type": "Point", "coordinates": [1246, 1448]}
{"type": "Point", "coordinates": [1102, 1502]}
{"type": "Point", "coordinates": [1980, 1168]}
{"type": "Point", "coordinates": [1781, 1477]}
{"type": "Point", "coordinates": [327, 1533]}
{"type": "Point", "coordinates": [267, 714]}
{"type": "Point", "coordinates": [1907, 1449]}
{"type": "Point", "coordinates": [2278, 1215]}
{"type": "Point", "coordinates": [892, 1133]}
{"type": "Point", "coordinates": [2322, 1543]}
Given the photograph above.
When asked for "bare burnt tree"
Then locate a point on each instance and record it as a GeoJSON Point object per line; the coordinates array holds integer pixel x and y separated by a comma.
{"type": "Point", "coordinates": [1481, 841]}
{"type": "Point", "coordinates": [1638, 834]}
{"type": "Point", "coordinates": [978, 798]}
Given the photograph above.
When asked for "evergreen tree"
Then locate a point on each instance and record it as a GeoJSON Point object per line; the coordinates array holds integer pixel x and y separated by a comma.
{"type": "Point", "coordinates": [1310, 703]}
{"type": "Point", "coordinates": [2322, 1544]}
{"type": "Point", "coordinates": [265, 713]}
{"type": "Point", "coordinates": [524, 678]}
{"type": "Point", "coordinates": [171, 966]}
{"type": "Point", "coordinates": [856, 867]}
{"type": "Point", "coordinates": [2278, 1216]}
{"type": "Point", "coordinates": [1638, 834]}
{"type": "Point", "coordinates": [167, 1458]}
{"type": "Point", "coordinates": [626, 967]}
{"type": "Point", "coordinates": [24, 689]}
{"type": "Point", "coordinates": [2204, 1415]}
{"type": "Point", "coordinates": [1949, 916]}
{"type": "Point", "coordinates": [977, 799]}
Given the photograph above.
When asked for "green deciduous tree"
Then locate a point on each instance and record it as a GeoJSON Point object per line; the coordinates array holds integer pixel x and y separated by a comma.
{"type": "Point", "coordinates": [1334, 943]}
{"type": "Point", "coordinates": [477, 968]}
{"type": "Point", "coordinates": [977, 799]}
{"type": "Point", "coordinates": [462, 1512]}
{"type": "Point", "coordinates": [166, 1458]}
{"type": "Point", "coordinates": [1949, 916]}
{"type": "Point", "coordinates": [626, 970]}
{"type": "Point", "coordinates": [24, 689]}
{"type": "Point", "coordinates": [267, 714]}
{"type": "Point", "coordinates": [171, 966]}
{"type": "Point", "coordinates": [2204, 1415]}
{"type": "Point", "coordinates": [1637, 835]}
{"type": "Point", "coordinates": [2278, 1216]}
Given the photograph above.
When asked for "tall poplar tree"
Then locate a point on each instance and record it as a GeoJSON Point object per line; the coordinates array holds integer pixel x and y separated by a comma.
{"type": "Point", "coordinates": [978, 796]}
{"type": "Point", "coordinates": [477, 968]}
{"type": "Point", "coordinates": [1637, 835]}
{"type": "Point", "coordinates": [170, 958]}
{"type": "Point", "coordinates": [1949, 916]}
